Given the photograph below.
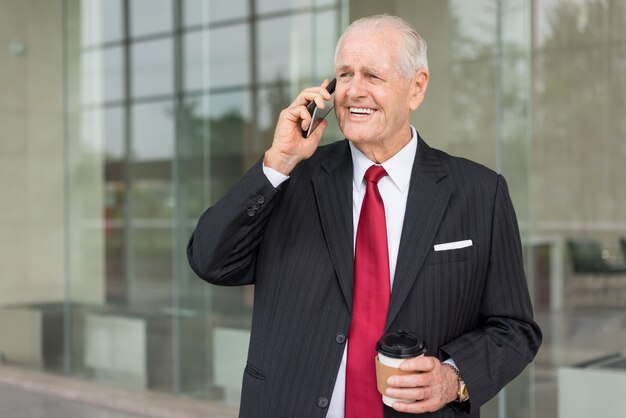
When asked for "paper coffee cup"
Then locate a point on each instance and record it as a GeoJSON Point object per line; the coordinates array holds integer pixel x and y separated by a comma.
{"type": "Point", "coordinates": [393, 348]}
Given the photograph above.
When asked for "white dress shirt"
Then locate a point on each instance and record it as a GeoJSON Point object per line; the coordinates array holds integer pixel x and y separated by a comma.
{"type": "Point", "coordinates": [394, 190]}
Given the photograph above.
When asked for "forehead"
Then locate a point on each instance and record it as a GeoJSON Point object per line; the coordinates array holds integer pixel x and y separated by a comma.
{"type": "Point", "coordinates": [370, 48]}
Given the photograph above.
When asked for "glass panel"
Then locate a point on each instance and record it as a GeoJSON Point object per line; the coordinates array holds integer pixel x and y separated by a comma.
{"type": "Point", "coordinates": [153, 132]}
{"type": "Point", "coordinates": [152, 68]}
{"type": "Point", "coordinates": [230, 118]}
{"type": "Point", "coordinates": [578, 196]}
{"type": "Point", "coordinates": [196, 76]}
{"type": "Point", "coordinates": [113, 133]}
{"type": "Point", "coordinates": [102, 75]}
{"type": "Point", "coordinates": [150, 16]}
{"type": "Point", "coordinates": [320, 3]}
{"type": "Point", "coordinates": [268, 6]}
{"type": "Point", "coordinates": [326, 34]}
{"type": "Point", "coordinates": [210, 11]}
{"type": "Point", "coordinates": [193, 191]}
{"type": "Point", "coordinates": [514, 133]}
{"type": "Point", "coordinates": [209, 61]}
{"type": "Point", "coordinates": [271, 102]}
{"type": "Point", "coordinates": [285, 48]}
{"type": "Point", "coordinates": [473, 78]}
{"type": "Point", "coordinates": [229, 62]}
{"type": "Point", "coordinates": [101, 21]}
{"type": "Point", "coordinates": [150, 287]}
{"type": "Point", "coordinates": [145, 163]}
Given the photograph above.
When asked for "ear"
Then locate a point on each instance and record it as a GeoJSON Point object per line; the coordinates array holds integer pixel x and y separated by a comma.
{"type": "Point", "coordinates": [419, 84]}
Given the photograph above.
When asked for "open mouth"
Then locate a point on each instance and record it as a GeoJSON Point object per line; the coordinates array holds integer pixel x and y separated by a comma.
{"type": "Point", "coordinates": [361, 111]}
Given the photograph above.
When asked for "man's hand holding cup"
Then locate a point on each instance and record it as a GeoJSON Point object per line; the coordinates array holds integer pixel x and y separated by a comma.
{"type": "Point", "coordinates": [410, 381]}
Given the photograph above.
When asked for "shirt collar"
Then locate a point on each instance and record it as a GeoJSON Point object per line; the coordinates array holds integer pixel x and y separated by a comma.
{"type": "Point", "coordinates": [398, 167]}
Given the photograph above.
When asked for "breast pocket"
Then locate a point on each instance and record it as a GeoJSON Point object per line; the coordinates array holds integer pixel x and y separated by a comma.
{"type": "Point", "coordinates": [450, 256]}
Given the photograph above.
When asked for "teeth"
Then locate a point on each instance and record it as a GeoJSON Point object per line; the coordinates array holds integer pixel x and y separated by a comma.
{"type": "Point", "coordinates": [361, 110]}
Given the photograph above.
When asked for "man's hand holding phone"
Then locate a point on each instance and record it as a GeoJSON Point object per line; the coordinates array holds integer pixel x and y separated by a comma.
{"type": "Point", "coordinates": [290, 146]}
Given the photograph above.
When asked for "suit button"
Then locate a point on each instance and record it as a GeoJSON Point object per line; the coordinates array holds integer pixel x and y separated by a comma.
{"type": "Point", "coordinates": [260, 200]}
{"type": "Point", "coordinates": [340, 338]}
{"type": "Point", "coordinates": [256, 206]}
{"type": "Point", "coordinates": [251, 212]}
{"type": "Point", "coordinates": [322, 402]}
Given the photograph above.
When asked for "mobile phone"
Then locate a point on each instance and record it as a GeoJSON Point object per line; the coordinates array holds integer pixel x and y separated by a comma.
{"type": "Point", "coordinates": [318, 115]}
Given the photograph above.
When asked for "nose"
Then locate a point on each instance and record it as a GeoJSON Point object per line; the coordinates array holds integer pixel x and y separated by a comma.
{"type": "Point", "coordinates": [356, 87]}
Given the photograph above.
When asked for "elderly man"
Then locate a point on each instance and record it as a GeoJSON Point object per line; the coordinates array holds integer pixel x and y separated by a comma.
{"type": "Point", "coordinates": [375, 233]}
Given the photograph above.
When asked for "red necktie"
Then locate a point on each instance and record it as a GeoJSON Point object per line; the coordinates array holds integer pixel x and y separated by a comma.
{"type": "Point", "coordinates": [369, 304]}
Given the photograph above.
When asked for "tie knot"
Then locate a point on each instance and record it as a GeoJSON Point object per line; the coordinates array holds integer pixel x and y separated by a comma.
{"type": "Point", "coordinates": [375, 173]}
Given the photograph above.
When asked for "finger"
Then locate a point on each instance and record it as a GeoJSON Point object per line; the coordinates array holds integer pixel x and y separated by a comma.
{"type": "Point", "coordinates": [298, 114]}
{"type": "Point", "coordinates": [410, 394]}
{"type": "Point", "coordinates": [419, 364]}
{"type": "Point", "coordinates": [305, 116]}
{"type": "Point", "coordinates": [314, 94]}
{"type": "Point", "coordinates": [325, 94]}
{"type": "Point", "coordinates": [409, 380]}
{"type": "Point", "coordinates": [418, 407]}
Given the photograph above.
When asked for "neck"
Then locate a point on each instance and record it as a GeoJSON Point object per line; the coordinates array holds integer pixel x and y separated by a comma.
{"type": "Point", "coordinates": [383, 150]}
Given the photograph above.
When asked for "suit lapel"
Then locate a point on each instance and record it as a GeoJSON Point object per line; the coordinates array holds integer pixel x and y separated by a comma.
{"type": "Point", "coordinates": [426, 205]}
{"type": "Point", "coordinates": [332, 183]}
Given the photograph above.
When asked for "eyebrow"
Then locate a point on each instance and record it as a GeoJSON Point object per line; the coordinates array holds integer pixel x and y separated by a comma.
{"type": "Point", "coordinates": [343, 67]}
{"type": "Point", "coordinates": [365, 69]}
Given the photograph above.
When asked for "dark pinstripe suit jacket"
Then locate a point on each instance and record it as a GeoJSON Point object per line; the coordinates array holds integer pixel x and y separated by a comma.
{"type": "Point", "coordinates": [296, 245]}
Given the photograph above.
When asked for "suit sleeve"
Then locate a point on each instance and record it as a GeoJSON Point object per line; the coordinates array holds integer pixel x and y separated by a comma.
{"type": "Point", "coordinates": [223, 247]}
{"type": "Point", "coordinates": [507, 337]}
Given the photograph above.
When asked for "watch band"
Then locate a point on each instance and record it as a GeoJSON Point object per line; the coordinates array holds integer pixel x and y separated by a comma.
{"type": "Point", "coordinates": [462, 393]}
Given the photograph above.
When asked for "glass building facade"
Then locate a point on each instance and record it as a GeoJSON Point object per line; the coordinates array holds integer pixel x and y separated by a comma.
{"type": "Point", "coordinates": [122, 120]}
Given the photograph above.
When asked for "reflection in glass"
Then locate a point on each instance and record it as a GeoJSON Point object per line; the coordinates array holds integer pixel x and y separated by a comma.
{"type": "Point", "coordinates": [268, 6]}
{"type": "Point", "coordinates": [152, 68]}
{"type": "Point", "coordinates": [115, 244]}
{"type": "Point", "coordinates": [326, 34]}
{"type": "Point", "coordinates": [102, 75]}
{"type": "Point", "coordinates": [197, 12]}
{"type": "Point", "coordinates": [150, 16]}
{"type": "Point", "coordinates": [474, 29]}
{"type": "Point", "coordinates": [229, 61]}
{"type": "Point", "coordinates": [141, 184]}
{"type": "Point", "coordinates": [229, 131]}
{"type": "Point", "coordinates": [102, 132]}
{"type": "Point", "coordinates": [285, 48]}
{"type": "Point", "coordinates": [150, 287]}
{"type": "Point", "coordinates": [271, 102]}
{"type": "Point", "coordinates": [152, 132]}
{"type": "Point", "coordinates": [209, 61]}
{"type": "Point", "coordinates": [101, 21]}
{"type": "Point", "coordinates": [113, 130]}
{"type": "Point", "coordinates": [196, 45]}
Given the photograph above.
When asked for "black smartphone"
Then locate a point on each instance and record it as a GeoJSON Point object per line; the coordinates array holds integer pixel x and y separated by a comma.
{"type": "Point", "coordinates": [318, 115]}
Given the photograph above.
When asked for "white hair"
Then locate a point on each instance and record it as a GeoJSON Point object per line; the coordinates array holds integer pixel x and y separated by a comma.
{"type": "Point", "coordinates": [413, 52]}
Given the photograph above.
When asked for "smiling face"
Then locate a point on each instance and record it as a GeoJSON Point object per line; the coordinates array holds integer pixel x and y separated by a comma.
{"type": "Point", "coordinates": [373, 102]}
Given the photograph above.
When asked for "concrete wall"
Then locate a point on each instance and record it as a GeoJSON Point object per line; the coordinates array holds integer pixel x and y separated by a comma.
{"type": "Point", "coordinates": [31, 152]}
{"type": "Point", "coordinates": [32, 163]}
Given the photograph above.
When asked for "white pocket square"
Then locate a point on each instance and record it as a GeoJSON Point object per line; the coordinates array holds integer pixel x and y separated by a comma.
{"type": "Point", "coordinates": [453, 245]}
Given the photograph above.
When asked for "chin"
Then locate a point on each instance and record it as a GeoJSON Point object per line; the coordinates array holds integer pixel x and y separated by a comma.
{"type": "Point", "coordinates": [357, 135]}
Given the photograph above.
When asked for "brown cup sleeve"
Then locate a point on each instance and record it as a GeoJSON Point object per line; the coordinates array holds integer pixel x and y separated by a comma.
{"type": "Point", "coordinates": [382, 374]}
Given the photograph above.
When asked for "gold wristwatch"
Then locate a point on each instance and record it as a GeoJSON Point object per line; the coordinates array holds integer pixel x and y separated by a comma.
{"type": "Point", "coordinates": [463, 393]}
